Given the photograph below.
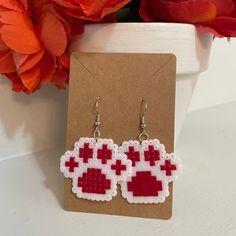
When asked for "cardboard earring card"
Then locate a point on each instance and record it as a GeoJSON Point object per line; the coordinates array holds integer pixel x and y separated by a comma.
{"type": "Point", "coordinates": [122, 80]}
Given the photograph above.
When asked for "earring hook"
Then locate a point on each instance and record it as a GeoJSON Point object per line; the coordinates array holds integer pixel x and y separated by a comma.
{"type": "Point", "coordinates": [96, 107]}
{"type": "Point", "coordinates": [143, 134]}
{"type": "Point", "coordinates": [143, 107]}
{"type": "Point", "coordinates": [96, 132]}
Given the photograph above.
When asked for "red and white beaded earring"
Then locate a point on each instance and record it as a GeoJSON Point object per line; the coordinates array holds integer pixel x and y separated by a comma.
{"type": "Point", "coordinates": [95, 165]}
{"type": "Point", "coordinates": [152, 167]}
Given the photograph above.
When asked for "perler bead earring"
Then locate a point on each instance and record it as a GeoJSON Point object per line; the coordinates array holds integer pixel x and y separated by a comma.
{"type": "Point", "coordinates": [152, 167]}
{"type": "Point", "coordinates": [95, 165]}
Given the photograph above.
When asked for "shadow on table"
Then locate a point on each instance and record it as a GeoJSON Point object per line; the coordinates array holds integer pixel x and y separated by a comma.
{"type": "Point", "coordinates": [31, 124]}
{"type": "Point", "coordinates": [49, 162]}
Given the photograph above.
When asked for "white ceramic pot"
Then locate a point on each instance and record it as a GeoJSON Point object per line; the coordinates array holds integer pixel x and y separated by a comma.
{"type": "Point", "coordinates": [191, 48]}
{"type": "Point", "coordinates": [38, 122]}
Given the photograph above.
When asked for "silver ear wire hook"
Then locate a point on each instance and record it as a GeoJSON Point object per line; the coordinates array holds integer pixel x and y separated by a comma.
{"type": "Point", "coordinates": [143, 134]}
{"type": "Point", "coordinates": [96, 107]}
{"type": "Point", "coordinates": [143, 107]}
{"type": "Point", "coordinates": [96, 132]}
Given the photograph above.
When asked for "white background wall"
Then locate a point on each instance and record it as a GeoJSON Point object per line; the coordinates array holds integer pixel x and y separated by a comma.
{"type": "Point", "coordinates": [218, 84]}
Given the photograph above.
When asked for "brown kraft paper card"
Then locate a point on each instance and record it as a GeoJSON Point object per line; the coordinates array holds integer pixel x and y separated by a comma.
{"type": "Point", "coordinates": [122, 80]}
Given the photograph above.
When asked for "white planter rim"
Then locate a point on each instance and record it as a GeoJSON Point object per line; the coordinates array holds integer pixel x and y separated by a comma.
{"type": "Point", "coordinates": [190, 47]}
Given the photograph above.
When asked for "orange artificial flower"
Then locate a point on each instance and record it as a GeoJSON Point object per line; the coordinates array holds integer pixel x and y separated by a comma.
{"type": "Point", "coordinates": [93, 10]}
{"type": "Point", "coordinates": [215, 16]}
{"type": "Point", "coordinates": [33, 40]}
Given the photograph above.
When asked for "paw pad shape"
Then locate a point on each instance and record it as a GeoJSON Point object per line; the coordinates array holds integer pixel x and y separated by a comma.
{"type": "Point", "coordinates": [95, 168]}
{"type": "Point", "coordinates": [152, 170]}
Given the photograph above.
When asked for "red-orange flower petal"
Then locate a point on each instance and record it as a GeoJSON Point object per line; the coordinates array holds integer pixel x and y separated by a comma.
{"type": "Point", "coordinates": [224, 7]}
{"type": "Point", "coordinates": [90, 9]}
{"type": "Point", "coordinates": [65, 19]}
{"type": "Point", "coordinates": [7, 64]}
{"type": "Point", "coordinates": [48, 67]}
{"type": "Point", "coordinates": [76, 28]}
{"type": "Point", "coordinates": [14, 5]}
{"type": "Point", "coordinates": [25, 4]}
{"type": "Point", "coordinates": [17, 84]}
{"type": "Point", "coordinates": [65, 60]}
{"type": "Point", "coordinates": [16, 30]}
{"type": "Point", "coordinates": [3, 46]}
{"type": "Point", "coordinates": [207, 29]}
{"type": "Point", "coordinates": [191, 11]}
{"type": "Point", "coordinates": [60, 78]}
{"type": "Point", "coordinates": [110, 18]}
{"type": "Point", "coordinates": [102, 7]}
{"type": "Point", "coordinates": [30, 61]}
{"type": "Point", "coordinates": [19, 58]}
{"type": "Point", "coordinates": [221, 27]}
{"type": "Point", "coordinates": [52, 34]}
{"type": "Point", "coordinates": [31, 78]}
{"type": "Point", "coordinates": [69, 4]}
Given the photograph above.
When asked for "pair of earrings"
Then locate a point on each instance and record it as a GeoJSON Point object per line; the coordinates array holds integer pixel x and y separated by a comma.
{"type": "Point", "coordinates": [141, 167]}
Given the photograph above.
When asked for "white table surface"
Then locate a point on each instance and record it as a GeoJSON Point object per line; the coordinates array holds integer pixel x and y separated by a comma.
{"type": "Point", "coordinates": [31, 189]}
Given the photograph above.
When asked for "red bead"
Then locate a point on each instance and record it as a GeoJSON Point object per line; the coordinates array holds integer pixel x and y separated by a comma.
{"type": "Point", "coordinates": [144, 184]}
{"type": "Point", "coordinates": [151, 155]}
{"type": "Point", "coordinates": [118, 167]}
{"type": "Point", "coordinates": [133, 155]}
{"type": "Point", "coordinates": [104, 154]}
{"type": "Point", "coordinates": [72, 164]}
{"type": "Point", "coordinates": [168, 167]}
{"type": "Point", "coordinates": [86, 153]}
{"type": "Point", "coordinates": [94, 181]}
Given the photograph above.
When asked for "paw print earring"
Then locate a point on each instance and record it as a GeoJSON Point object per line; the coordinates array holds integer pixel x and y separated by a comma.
{"type": "Point", "coordinates": [152, 167]}
{"type": "Point", "coordinates": [95, 165]}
